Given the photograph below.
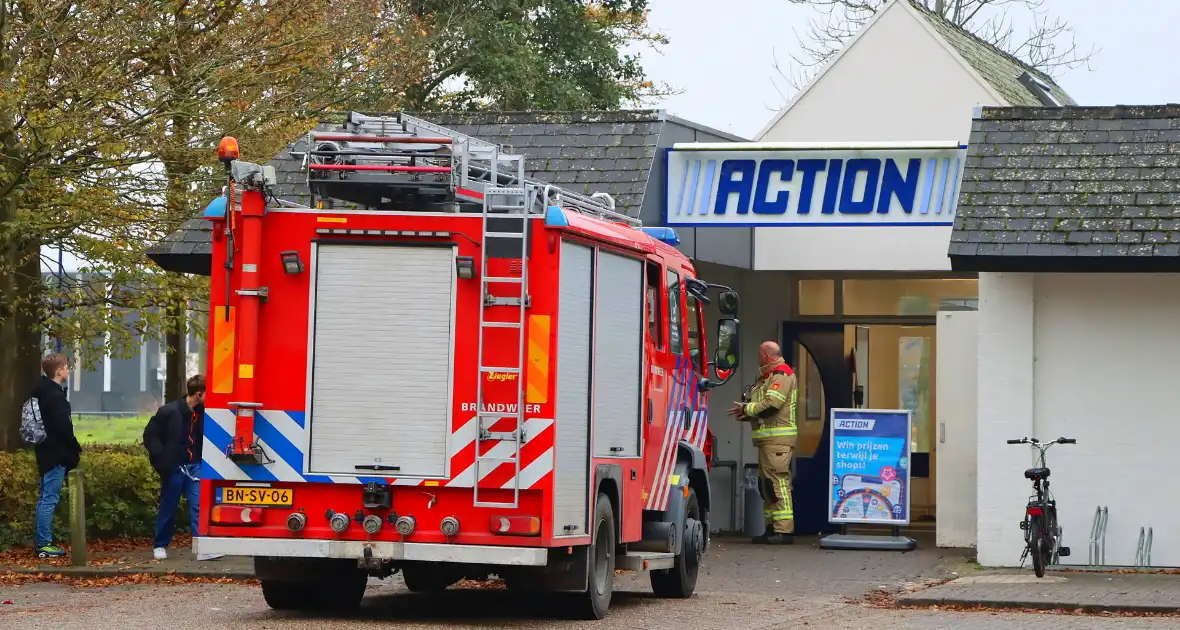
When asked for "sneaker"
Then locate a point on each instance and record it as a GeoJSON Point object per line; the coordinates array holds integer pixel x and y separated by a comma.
{"type": "Point", "coordinates": [159, 553]}
{"type": "Point", "coordinates": [50, 551]}
{"type": "Point", "coordinates": [209, 556]}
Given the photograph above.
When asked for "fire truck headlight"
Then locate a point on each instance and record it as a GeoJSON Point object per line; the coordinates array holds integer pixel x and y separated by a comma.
{"type": "Point", "coordinates": [339, 522]}
{"type": "Point", "coordinates": [372, 524]}
{"type": "Point", "coordinates": [292, 264]}
{"type": "Point", "coordinates": [405, 525]}
{"type": "Point", "coordinates": [449, 526]}
{"type": "Point", "coordinates": [465, 267]}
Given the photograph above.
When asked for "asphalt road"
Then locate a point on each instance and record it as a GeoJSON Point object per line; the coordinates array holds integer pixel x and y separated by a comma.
{"type": "Point", "coordinates": [741, 587]}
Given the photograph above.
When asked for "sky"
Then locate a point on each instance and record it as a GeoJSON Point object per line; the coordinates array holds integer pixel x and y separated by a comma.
{"type": "Point", "coordinates": [723, 59]}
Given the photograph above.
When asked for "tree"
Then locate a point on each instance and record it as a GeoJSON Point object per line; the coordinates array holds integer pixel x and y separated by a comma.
{"type": "Point", "coordinates": [535, 54]}
{"type": "Point", "coordinates": [260, 72]}
{"type": "Point", "coordinates": [1047, 44]}
{"type": "Point", "coordinates": [109, 115]}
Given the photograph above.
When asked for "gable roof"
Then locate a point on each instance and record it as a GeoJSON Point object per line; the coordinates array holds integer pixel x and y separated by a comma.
{"type": "Point", "coordinates": [999, 72]}
{"type": "Point", "coordinates": [1070, 189]}
{"type": "Point", "coordinates": [584, 152]}
{"type": "Point", "coordinates": [999, 69]}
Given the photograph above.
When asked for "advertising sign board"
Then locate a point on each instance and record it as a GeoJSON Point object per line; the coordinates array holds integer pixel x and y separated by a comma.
{"type": "Point", "coordinates": [870, 471]}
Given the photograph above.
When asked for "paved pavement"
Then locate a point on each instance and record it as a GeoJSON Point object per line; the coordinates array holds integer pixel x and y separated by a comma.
{"type": "Point", "coordinates": [1088, 591]}
{"type": "Point", "coordinates": [741, 586]}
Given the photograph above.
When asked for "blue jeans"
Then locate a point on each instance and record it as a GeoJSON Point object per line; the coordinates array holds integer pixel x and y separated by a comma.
{"type": "Point", "coordinates": [183, 480]}
{"type": "Point", "coordinates": [47, 502]}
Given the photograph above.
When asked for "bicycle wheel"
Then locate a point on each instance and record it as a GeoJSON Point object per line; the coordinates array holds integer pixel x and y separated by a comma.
{"type": "Point", "coordinates": [1038, 547]}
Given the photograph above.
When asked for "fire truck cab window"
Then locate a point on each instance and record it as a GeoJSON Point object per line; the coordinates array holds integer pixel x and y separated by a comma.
{"type": "Point", "coordinates": [675, 342]}
{"type": "Point", "coordinates": [655, 319]}
{"type": "Point", "coordinates": [693, 322]}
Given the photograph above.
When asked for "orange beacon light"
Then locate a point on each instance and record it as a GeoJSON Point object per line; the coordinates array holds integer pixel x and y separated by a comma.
{"type": "Point", "coordinates": [227, 150]}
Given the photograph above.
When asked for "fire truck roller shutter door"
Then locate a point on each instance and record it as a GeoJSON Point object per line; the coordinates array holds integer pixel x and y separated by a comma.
{"type": "Point", "coordinates": [618, 356]}
{"type": "Point", "coordinates": [574, 335]}
{"type": "Point", "coordinates": [382, 368]}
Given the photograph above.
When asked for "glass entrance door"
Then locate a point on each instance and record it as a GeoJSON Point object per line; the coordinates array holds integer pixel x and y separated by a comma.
{"type": "Point", "coordinates": [900, 375]}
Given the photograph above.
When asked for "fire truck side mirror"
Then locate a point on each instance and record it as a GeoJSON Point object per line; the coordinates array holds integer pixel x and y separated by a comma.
{"type": "Point", "coordinates": [728, 303]}
{"type": "Point", "coordinates": [728, 353]}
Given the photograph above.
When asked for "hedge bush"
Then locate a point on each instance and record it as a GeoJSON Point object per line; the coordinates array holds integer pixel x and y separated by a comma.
{"type": "Point", "coordinates": [122, 496]}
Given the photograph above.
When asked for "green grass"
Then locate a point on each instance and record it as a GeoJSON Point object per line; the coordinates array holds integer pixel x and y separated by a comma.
{"type": "Point", "coordinates": [109, 430]}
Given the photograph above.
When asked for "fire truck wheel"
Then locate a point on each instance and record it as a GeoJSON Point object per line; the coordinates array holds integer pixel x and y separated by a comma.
{"type": "Point", "coordinates": [681, 580]}
{"type": "Point", "coordinates": [343, 593]}
{"type": "Point", "coordinates": [287, 595]}
{"type": "Point", "coordinates": [601, 561]}
{"type": "Point", "coordinates": [425, 578]}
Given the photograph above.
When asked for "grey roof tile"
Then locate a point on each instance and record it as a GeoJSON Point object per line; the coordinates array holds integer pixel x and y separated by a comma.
{"type": "Point", "coordinates": [1095, 198]}
{"type": "Point", "coordinates": [585, 152]}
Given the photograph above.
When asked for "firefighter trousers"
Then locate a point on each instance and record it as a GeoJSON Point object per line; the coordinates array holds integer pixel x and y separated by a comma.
{"type": "Point", "coordinates": [774, 472]}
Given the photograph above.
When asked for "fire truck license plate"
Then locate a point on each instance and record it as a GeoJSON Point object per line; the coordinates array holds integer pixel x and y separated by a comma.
{"type": "Point", "coordinates": [256, 496]}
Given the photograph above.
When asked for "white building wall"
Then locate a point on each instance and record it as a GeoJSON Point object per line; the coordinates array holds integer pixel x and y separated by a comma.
{"type": "Point", "coordinates": [1005, 391]}
{"type": "Point", "coordinates": [895, 82]}
{"type": "Point", "coordinates": [1103, 371]}
{"type": "Point", "coordinates": [765, 304]}
{"type": "Point", "coordinates": [1107, 374]}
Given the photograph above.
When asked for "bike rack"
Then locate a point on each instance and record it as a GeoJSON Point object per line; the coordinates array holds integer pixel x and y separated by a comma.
{"type": "Point", "coordinates": [1098, 536]}
{"type": "Point", "coordinates": [1143, 548]}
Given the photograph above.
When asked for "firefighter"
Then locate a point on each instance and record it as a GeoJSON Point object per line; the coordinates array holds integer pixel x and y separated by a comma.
{"type": "Point", "coordinates": [771, 412]}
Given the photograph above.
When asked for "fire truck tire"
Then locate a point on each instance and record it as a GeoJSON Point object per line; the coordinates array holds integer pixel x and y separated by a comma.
{"type": "Point", "coordinates": [424, 578]}
{"type": "Point", "coordinates": [286, 595]}
{"type": "Point", "coordinates": [681, 580]}
{"type": "Point", "coordinates": [341, 594]}
{"type": "Point", "coordinates": [601, 562]}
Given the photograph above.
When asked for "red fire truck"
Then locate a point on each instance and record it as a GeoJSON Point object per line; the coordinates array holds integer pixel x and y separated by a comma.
{"type": "Point", "coordinates": [446, 369]}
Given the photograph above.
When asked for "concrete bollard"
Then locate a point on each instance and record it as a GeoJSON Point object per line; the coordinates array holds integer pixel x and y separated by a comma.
{"type": "Point", "coordinates": [77, 519]}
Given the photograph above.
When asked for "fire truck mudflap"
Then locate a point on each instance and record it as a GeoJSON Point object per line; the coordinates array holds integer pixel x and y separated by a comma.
{"type": "Point", "coordinates": [471, 374]}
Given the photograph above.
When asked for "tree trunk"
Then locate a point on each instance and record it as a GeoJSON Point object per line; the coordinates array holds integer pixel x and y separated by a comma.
{"type": "Point", "coordinates": [20, 339]}
{"type": "Point", "coordinates": [175, 374]}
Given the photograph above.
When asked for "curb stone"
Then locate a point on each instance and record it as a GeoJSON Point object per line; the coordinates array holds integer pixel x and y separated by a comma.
{"type": "Point", "coordinates": [926, 602]}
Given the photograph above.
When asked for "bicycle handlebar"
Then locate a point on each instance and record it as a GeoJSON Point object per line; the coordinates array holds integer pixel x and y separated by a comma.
{"type": "Point", "coordinates": [1034, 441]}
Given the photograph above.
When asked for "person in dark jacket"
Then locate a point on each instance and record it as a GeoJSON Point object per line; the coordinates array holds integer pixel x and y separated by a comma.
{"type": "Point", "coordinates": [173, 440]}
{"type": "Point", "coordinates": [58, 453]}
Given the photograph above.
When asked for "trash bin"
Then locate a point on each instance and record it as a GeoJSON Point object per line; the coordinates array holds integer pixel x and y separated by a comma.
{"type": "Point", "coordinates": [754, 524]}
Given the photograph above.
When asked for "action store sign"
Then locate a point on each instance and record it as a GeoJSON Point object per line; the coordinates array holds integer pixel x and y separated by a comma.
{"type": "Point", "coordinates": [870, 467]}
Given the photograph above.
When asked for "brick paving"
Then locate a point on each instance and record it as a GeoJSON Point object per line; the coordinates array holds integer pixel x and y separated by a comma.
{"type": "Point", "coordinates": [1087, 591]}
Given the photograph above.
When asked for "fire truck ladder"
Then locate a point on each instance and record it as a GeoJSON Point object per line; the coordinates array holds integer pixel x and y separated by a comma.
{"type": "Point", "coordinates": [504, 208]}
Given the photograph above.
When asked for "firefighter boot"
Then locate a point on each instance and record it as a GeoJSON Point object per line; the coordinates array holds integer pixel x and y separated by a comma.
{"type": "Point", "coordinates": [779, 538]}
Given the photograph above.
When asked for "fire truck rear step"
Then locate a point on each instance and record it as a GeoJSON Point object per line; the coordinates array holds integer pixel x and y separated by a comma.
{"type": "Point", "coordinates": [645, 561]}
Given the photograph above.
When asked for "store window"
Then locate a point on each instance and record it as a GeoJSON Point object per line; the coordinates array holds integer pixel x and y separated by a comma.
{"type": "Point", "coordinates": [817, 297]}
{"type": "Point", "coordinates": [906, 297]}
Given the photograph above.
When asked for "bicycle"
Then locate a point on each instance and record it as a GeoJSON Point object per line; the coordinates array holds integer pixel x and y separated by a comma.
{"type": "Point", "coordinates": [1042, 533]}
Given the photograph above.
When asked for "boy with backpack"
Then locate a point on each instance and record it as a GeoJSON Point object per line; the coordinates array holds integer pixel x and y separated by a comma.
{"type": "Point", "coordinates": [46, 423]}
